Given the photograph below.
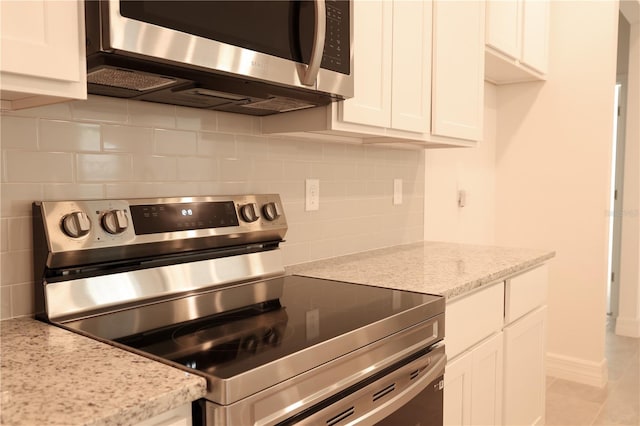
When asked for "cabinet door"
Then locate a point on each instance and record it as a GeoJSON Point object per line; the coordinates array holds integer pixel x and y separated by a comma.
{"type": "Point", "coordinates": [42, 51]}
{"type": "Point", "coordinates": [458, 69]}
{"type": "Point", "coordinates": [457, 391]}
{"type": "Point", "coordinates": [503, 26]}
{"type": "Point", "coordinates": [411, 70]}
{"type": "Point", "coordinates": [524, 369]}
{"type": "Point", "coordinates": [371, 103]}
{"type": "Point", "coordinates": [473, 385]}
{"type": "Point", "coordinates": [535, 34]}
{"type": "Point", "coordinates": [486, 388]}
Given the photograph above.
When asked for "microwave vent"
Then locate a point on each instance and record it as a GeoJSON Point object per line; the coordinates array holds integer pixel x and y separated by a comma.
{"type": "Point", "coordinates": [279, 104]}
{"type": "Point", "coordinates": [125, 79]}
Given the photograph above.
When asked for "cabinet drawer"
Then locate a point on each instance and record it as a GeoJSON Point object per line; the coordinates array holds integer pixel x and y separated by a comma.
{"type": "Point", "coordinates": [525, 292]}
{"type": "Point", "coordinates": [473, 317]}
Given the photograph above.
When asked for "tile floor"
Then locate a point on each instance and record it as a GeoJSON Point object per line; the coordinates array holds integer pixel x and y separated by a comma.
{"type": "Point", "coordinates": [569, 403]}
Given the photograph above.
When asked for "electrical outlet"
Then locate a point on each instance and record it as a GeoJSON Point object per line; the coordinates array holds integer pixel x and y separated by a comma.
{"type": "Point", "coordinates": [397, 192]}
{"type": "Point", "coordinates": [312, 198]}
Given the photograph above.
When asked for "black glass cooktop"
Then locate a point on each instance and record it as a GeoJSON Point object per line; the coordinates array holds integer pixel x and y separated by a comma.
{"type": "Point", "coordinates": [296, 314]}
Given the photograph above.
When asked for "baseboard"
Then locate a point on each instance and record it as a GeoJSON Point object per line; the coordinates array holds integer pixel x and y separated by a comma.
{"type": "Point", "coordinates": [577, 370]}
{"type": "Point", "coordinates": [629, 327]}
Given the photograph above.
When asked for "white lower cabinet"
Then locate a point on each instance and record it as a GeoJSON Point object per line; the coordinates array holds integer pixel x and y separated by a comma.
{"type": "Point", "coordinates": [473, 385]}
{"type": "Point", "coordinates": [496, 344]}
{"type": "Point", "coordinates": [524, 369]}
{"type": "Point", "coordinates": [179, 416]}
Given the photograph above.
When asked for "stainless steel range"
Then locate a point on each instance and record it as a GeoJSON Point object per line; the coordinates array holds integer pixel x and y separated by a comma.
{"type": "Point", "coordinates": [198, 283]}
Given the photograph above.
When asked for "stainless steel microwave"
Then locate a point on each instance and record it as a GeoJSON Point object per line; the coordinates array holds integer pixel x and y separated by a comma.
{"type": "Point", "coordinates": [252, 57]}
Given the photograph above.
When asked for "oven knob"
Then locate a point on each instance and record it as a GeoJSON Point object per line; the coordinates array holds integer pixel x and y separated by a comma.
{"type": "Point", "coordinates": [271, 211]}
{"type": "Point", "coordinates": [115, 222]}
{"type": "Point", "coordinates": [76, 224]}
{"type": "Point", "coordinates": [250, 344]}
{"type": "Point", "coordinates": [249, 212]}
{"type": "Point", "coordinates": [271, 337]}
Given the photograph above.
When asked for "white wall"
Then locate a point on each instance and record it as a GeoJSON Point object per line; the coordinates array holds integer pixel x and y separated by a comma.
{"type": "Point", "coordinates": [473, 170]}
{"type": "Point", "coordinates": [628, 321]}
{"type": "Point", "coordinates": [112, 148]}
{"type": "Point", "coordinates": [553, 165]}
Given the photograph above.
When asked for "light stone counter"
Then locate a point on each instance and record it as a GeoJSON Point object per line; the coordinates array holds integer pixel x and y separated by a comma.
{"type": "Point", "coordinates": [51, 376]}
{"type": "Point", "coordinates": [429, 267]}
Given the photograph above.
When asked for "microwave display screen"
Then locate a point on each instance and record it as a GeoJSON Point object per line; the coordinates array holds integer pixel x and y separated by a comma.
{"type": "Point", "coordinates": [278, 28]}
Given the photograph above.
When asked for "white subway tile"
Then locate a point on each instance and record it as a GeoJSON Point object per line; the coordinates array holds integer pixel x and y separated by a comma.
{"type": "Point", "coordinates": [210, 188]}
{"type": "Point", "coordinates": [4, 235]}
{"type": "Point", "coordinates": [197, 169]}
{"type": "Point", "coordinates": [104, 167]}
{"type": "Point", "coordinates": [365, 171]}
{"type": "Point", "coordinates": [357, 188]}
{"type": "Point", "coordinates": [333, 171]}
{"type": "Point", "coordinates": [177, 189]}
{"type": "Point", "coordinates": [18, 132]}
{"type": "Point", "coordinates": [267, 170]}
{"type": "Point", "coordinates": [221, 145]}
{"type": "Point", "coordinates": [252, 146]}
{"type": "Point", "coordinates": [175, 142]}
{"type": "Point", "coordinates": [130, 190]}
{"type": "Point", "coordinates": [20, 235]}
{"type": "Point", "coordinates": [16, 267]}
{"type": "Point", "coordinates": [236, 188]}
{"type": "Point", "coordinates": [31, 166]}
{"type": "Point", "coordinates": [296, 170]}
{"type": "Point", "coordinates": [238, 123]}
{"type": "Point", "coordinates": [151, 114]}
{"type": "Point", "coordinates": [73, 191]}
{"type": "Point", "coordinates": [291, 191]}
{"type": "Point", "coordinates": [60, 111]}
{"type": "Point", "coordinates": [295, 149]}
{"type": "Point", "coordinates": [17, 198]}
{"type": "Point", "coordinates": [321, 249]}
{"type": "Point", "coordinates": [154, 168]}
{"type": "Point", "coordinates": [330, 189]}
{"type": "Point", "coordinates": [100, 108]}
{"type": "Point", "coordinates": [232, 170]}
{"type": "Point", "coordinates": [68, 136]}
{"type": "Point", "coordinates": [137, 140]}
{"type": "Point", "coordinates": [5, 303]}
{"type": "Point", "coordinates": [195, 119]}
{"type": "Point", "coordinates": [22, 300]}
{"type": "Point", "coordinates": [295, 253]}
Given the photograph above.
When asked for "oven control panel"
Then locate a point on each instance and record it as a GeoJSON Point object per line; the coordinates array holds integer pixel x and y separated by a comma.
{"type": "Point", "coordinates": [179, 222]}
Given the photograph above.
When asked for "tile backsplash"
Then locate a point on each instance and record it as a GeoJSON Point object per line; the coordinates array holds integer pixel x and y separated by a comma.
{"type": "Point", "coordinates": [113, 148]}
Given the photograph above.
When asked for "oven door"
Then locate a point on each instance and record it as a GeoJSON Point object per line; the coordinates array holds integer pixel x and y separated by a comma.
{"type": "Point", "coordinates": [412, 394]}
{"type": "Point", "coordinates": [296, 43]}
{"type": "Point", "coordinates": [406, 392]}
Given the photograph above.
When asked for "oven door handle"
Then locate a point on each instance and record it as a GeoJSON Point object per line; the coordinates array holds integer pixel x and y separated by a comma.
{"type": "Point", "coordinates": [389, 407]}
{"type": "Point", "coordinates": [379, 399]}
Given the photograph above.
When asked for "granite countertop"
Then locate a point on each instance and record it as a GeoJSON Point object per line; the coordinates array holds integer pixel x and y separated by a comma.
{"type": "Point", "coordinates": [51, 376]}
{"type": "Point", "coordinates": [447, 269]}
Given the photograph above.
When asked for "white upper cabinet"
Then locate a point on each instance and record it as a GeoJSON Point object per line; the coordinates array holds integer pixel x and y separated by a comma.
{"type": "Point", "coordinates": [42, 52]}
{"type": "Point", "coordinates": [393, 66]}
{"type": "Point", "coordinates": [458, 69]}
{"type": "Point", "coordinates": [503, 27]}
{"type": "Point", "coordinates": [411, 66]}
{"type": "Point", "coordinates": [517, 37]}
{"type": "Point", "coordinates": [372, 34]}
{"type": "Point", "coordinates": [396, 100]}
{"type": "Point", "coordinates": [535, 34]}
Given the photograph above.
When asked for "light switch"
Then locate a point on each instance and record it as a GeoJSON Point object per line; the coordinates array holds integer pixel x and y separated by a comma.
{"type": "Point", "coordinates": [397, 192]}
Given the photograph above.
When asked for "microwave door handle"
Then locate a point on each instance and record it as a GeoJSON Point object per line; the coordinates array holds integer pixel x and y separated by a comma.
{"type": "Point", "coordinates": [309, 73]}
